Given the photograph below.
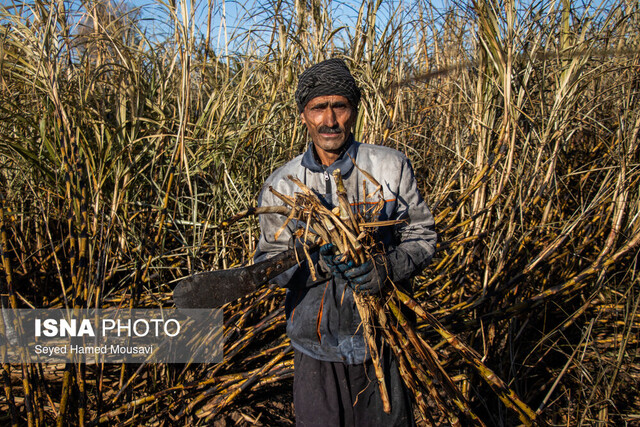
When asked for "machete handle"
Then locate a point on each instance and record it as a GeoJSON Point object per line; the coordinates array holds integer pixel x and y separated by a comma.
{"type": "Point", "coordinates": [263, 271]}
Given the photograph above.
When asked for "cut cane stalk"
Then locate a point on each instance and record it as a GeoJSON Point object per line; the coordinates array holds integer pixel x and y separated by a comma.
{"type": "Point", "coordinates": [363, 304]}
{"type": "Point", "coordinates": [291, 216]}
{"type": "Point", "coordinates": [282, 210]}
{"type": "Point", "coordinates": [365, 310]}
{"type": "Point", "coordinates": [415, 373]}
{"type": "Point", "coordinates": [428, 356]}
{"type": "Point", "coordinates": [346, 214]}
{"type": "Point", "coordinates": [286, 199]}
{"type": "Point", "coordinates": [348, 217]}
{"type": "Point", "coordinates": [504, 392]}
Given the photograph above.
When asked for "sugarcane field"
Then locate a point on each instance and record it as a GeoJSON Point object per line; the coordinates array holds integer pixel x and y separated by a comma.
{"type": "Point", "coordinates": [136, 139]}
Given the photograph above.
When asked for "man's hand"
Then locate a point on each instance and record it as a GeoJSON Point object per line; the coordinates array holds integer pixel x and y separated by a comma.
{"type": "Point", "coordinates": [368, 278]}
{"type": "Point", "coordinates": [332, 263]}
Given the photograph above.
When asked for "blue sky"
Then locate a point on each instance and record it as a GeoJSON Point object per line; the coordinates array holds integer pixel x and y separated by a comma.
{"type": "Point", "coordinates": [229, 16]}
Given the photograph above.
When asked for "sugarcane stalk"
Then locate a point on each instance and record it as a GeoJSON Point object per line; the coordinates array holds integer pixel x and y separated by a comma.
{"type": "Point", "coordinates": [26, 382]}
{"type": "Point", "coordinates": [408, 377]}
{"type": "Point", "coordinates": [504, 392]}
{"type": "Point", "coordinates": [6, 266]}
{"type": "Point", "coordinates": [292, 214]}
{"type": "Point", "coordinates": [317, 228]}
{"type": "Point", "coordinates": [64, 399]}
{"type": "Point", "coordinates": [346, 213]}
{"type": "Point", "coordinates": [364, 304]}
{"type": "Point", "coordinates": [8, 393]}
{"type": "Point", "coordinates": [365, 310]}
{"type": "Point", "coordinates": [416, 374]}
{"type": "Point", "coordinates": [282, 210]}
{"type": "Point", "coordinates": [247, 383]}
{"type": "Point", "coordinates": [288, 200]}
{"type": "Point", "coordinates": [333, 234]}
{"type": "Point", "coordinates": [429, 357]}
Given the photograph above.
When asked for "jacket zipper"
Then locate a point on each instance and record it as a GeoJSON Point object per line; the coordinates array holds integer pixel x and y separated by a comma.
{"type": "Point", "coordinates": [327, 184]}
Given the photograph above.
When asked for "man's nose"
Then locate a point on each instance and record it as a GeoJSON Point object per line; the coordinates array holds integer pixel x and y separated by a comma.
{"type": "Point", "coordinates": [329, 117]}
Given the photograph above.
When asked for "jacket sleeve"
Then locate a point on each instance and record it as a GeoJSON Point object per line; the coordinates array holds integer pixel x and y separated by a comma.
{"type": "Point", "coordinates": [268, 246]}
{"type": "Point", "coordinates": [416, 235]}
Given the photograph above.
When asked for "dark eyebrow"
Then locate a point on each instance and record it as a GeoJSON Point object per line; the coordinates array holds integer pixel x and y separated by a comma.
{"type": "Point", "coordinates": [323, 105]}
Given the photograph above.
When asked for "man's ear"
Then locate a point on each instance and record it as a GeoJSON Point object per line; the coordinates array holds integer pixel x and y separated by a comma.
{"type": "Point", "coordinates": [302, 118]}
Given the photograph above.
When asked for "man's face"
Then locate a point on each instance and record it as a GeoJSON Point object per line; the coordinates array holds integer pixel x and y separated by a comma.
{"type": "Point", "coordinates": [329, 120]}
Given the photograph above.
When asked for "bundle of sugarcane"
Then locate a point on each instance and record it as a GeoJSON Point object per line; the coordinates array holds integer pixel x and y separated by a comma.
{"type": "Point", "coordinates": [352, 235]}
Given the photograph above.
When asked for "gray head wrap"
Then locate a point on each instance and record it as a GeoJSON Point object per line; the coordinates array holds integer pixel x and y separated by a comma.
{"type": "Point", "coordinates": [330, 77]}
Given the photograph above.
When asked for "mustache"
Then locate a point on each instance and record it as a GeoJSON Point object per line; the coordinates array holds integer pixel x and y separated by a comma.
{"type": "Point", "coordinates": [327, 129]}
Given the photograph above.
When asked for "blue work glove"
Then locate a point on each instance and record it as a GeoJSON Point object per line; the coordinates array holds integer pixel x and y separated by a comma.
{"type": "Point", "coordinates": [332, 263]}
{"type": "Point", "coordinates": [368, 278]}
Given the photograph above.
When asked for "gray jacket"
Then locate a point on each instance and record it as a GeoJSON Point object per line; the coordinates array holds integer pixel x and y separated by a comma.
{"type": "Point", "coordinates": [335, 335]}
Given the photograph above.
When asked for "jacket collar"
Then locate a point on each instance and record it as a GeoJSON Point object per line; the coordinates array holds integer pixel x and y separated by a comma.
{"type": "Point", "coordinates": [344, 162]}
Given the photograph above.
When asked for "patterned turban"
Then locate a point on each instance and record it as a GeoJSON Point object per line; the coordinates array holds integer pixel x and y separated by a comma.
{"type": "Point", "coordinates": [330, 77]}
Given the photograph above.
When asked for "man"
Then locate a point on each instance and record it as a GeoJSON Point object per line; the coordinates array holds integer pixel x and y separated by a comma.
{"type": "Point", "coordinates": [334, 382]}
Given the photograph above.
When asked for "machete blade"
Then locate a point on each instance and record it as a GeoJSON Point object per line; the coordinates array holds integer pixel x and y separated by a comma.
{"type": "Point", "coordinates": [213, 289]}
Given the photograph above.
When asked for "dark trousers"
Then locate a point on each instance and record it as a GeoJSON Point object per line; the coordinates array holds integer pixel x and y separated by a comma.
{"type": "Point", "coordinates": [335, 394]}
